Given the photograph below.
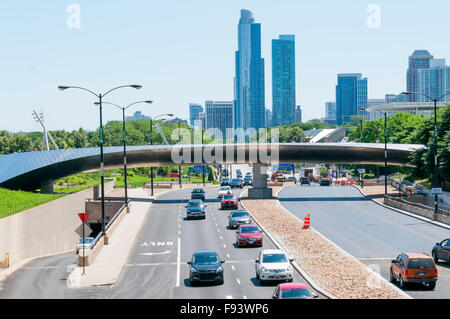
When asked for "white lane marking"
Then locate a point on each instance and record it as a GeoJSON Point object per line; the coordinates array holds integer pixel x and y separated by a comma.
{"type": "Point", "coordinates": [178, 261]}
{"type": "Point", "coordinates": [245, 297]}
{"type": "Point", "coordinates": [238, 281]}
{"type": "Point", "coordinates": [228, 255]}
{"type": "Point", "coordinates": [221, 237]}
{"type": "Point", "coordinates": [215, 224]}
{"type": "Point", "coordinates": [232, 267]}
{"type": "Point", "coordinates": [229, 297]}
{"type": "Point", "coordinates": [179, 232]}
{"type": "Point", "coordinates": [179, 226]}
{"type": "Point", "coordinates": [224, 246]}
{"type": "Point", "coordinates": [151, 254]}
{"type": "Point", "coordinates": [218, 230]}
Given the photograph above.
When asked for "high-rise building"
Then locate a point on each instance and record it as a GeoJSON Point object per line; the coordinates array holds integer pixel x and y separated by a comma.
{"type": "Point", "coordinates": [202, 119]}
{"type": "Point", "coordinates": [219, 114]}
{"type": "Point", "coordinates": [249, 109]}
{"type": "Point", "coordinates": [298, 114]}
{"type": "Point", "coordinates": [283, 80]}
{"type": "Point", "coordinates": [194, 111]}
{"type": "Point", "coordinates": [434, 81]}
{"type": "Point", "coordinates": [351, 97]}
{"type": "Point", "coordinates": [330, 113]}
{"type": "Point", "coordinates": [268, 119]}
{"type": "Point", "coordinates": [420, 59]}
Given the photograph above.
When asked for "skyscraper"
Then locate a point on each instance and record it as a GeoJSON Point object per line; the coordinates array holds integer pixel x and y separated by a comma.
{"type": "Point", "coordinates": [420, 59]}
{"type": "Point", "coordinates": [298, 114]}
{"type": "Point", "coordinates": [330, 112]}
{"type": "Point", "coordinates": [351, 96]}
{"type": "Point", "coordinates": [194, 111]}
{"type": "Point", "coordinates": [219, 114]}
{"type": "Point", "coordinates": [249, 109]}
{"type": "Point", "coordinates": [268, 119]}
{"type": "Point", "coordinates": [283, 80]}
{"type": "Point", "coordinates": [434, 81]}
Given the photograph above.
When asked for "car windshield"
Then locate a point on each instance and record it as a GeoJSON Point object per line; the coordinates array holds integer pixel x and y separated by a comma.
{"type": "Point", "coordinates": [236, 180]}
{"type": "Point", "coordinates": [197, 191]}
{"type": "Point", "coordinates": [239, 214]}
{"type": "Point", "coordinates": [195, 204]}
{"type": "Point", "coordinates": [249, 230]}
{"type": "Point", "coordinates": [274, 258]}
{"type": "Point", "coordinates": [295, 293]}
{"type": "Point", "coordinates": [228, 197]}
{"type": "Point", "coordinates": [419, 263]}
{"type": "Point", "coordinates": [205, 259]}
{"type": "Point", "coordinates": [226, 188]}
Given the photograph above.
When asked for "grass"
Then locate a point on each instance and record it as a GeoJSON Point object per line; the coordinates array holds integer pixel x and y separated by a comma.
{"type": "Point", "coordinates": [12, 202]}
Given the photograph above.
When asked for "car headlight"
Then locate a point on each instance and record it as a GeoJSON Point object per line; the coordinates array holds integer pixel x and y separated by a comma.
{"type": "Point", "coordinates": [263, 269]}
{"type": "Point", "coordinates": [289, 268]}
{"type": "Point", "coordinates": [194, 269]}
{"type": "Point", "coordinates": [219, 269]}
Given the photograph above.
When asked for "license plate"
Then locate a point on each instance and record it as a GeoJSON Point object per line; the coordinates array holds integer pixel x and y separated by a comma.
{"type": "Point", "coordinates": [421, 274]}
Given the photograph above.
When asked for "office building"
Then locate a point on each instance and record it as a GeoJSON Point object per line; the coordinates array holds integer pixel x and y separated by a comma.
{"type": "Point", "coordinates": [434, 81]}
{"type": "Point", "coordinates": [268, 118]}
{"type": "Point", "coordinates": [194, 111]}
{"type": "Point", "coordinates": [298, 114]}
{"type": "Point", "coordinates": [137, 116]}
{"type": "Point", "coordinates": [330, 113]}
{"type": "Point", "coordinates": [283, 80]}
{"type": "Point", "coordinates": [219, 114]}
{"type": "Point", "coordinates": [249, 107]}
{"type": "Point", "coordinates": [351, 97]}
{"type": "Point", "coordinates": [420, 59]}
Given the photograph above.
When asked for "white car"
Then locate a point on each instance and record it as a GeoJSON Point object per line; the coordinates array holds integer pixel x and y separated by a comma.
{"type": "Point", "coordinates": [273, 265]}
{"type": "Point", "coordinates": [224, 190]}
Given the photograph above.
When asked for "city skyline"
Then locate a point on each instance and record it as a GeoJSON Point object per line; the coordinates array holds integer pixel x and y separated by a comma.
{"type": "Point", "coordinates": [50, 54]}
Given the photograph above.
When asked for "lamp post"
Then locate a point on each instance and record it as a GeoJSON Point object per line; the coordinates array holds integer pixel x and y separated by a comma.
{"type": "Point", "coordinates": [125, 141]}
{"type": "Point", "coordinates": [179, 140]}
{"type": "Point", "coordinates": [151, 143]}
{"type": "Point", "coordinates": [203, 166]}
{"type": "Point", "coordinates": [435, 163]}
{"type": "Point", "coordinates": [100, 96]}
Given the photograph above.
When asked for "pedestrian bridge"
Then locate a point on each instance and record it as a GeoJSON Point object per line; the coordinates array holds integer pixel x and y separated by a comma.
{"type": "Point", "coordinates": [31, 170]}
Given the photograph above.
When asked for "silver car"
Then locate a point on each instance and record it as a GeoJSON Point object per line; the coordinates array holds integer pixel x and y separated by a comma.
{"type": "Point", "coordinates": [237, 218]}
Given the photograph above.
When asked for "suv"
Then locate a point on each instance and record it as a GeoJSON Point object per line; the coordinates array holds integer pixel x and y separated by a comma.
{"type": "Point", "coordinates": [441, 251]}
{"type": "Point", "coordinates": [225, 182]}
{"type": "Point", "coordinates": [248, 180]}
{"type": "Point", "coordinates": [198, 193]}
{"type": "Point", "coordinates": [205, 266]}
{"type": "Point", "coordinates": [195, 208]}
{"type": "Point", "coordinates": [304, 181]}
{"type": "Point", "coordinates": [274, 265]}
{"type": "Point", "coordinates": [324, 182]}
{"type": "Point", "coordinates": [236, 183]}
{"type": "Point", "coordinates": [414, 268]}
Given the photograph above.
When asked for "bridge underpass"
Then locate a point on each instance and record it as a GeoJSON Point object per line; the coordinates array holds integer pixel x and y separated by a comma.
{"type": "Point", "coordinates": [33, 170]}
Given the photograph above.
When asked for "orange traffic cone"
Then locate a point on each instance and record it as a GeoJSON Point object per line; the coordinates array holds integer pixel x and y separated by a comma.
{"type": "Point", "coordinates": [307, 221]}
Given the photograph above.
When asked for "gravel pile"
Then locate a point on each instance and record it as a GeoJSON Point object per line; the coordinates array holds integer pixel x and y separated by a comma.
{"type": "Point", "coordinates": [333, 269]}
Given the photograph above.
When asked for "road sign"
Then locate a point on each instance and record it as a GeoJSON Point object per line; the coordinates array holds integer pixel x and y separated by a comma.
{"type": "Point", "coordinates": [199, 169]}
{"type": "Point", "coordinates": [87, 230]}
{"type": "Point", "coordinates": [283, 167]}
{"type": "Point", "coordinates": [436, 191]}
{"type": "Point", "coordinates": [83, 217]}
{"type": "Point", "coordinates": [361, 170]}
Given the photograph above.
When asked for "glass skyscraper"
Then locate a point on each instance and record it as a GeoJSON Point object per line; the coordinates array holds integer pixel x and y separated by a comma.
{"type": "Point", "coordinates": [351, 96]}
{"type": "Point", "coordinates": [283, 80]}
{"type": "Point", "coordinates": [420, 59]}
{"type": "Point", "coordinates": [194, 112]}
{"type": "Point", "coordinates": [249, 106]}
{"type": "Point", "coordinates": [219, 115]}
{"type": "Point", "coordinates": [435, 81]}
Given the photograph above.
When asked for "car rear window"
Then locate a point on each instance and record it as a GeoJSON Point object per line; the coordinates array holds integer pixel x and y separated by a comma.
{"type": "Point", "coordinates": [420, 263]}
{"type": "Point", "coordinates": [197, 190]}
{"type": "Point", "coordinates": [228, 197]}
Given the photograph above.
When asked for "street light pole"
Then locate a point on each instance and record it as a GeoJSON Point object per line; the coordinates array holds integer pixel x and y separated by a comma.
{"type": "Point", "coordinates": [179, 167]}
{"type": "Point", "coordinates": [385, 154]}
{"type": "Point", "coordinates": [203, 166]}
{"type": "Point", "coordinates": [102, 179]}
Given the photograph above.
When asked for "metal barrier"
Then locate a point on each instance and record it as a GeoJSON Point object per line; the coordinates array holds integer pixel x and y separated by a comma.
{"type": "Point", "coordinates": [5, 262]}
{"type": "Point", "coordinates": [418, 205]}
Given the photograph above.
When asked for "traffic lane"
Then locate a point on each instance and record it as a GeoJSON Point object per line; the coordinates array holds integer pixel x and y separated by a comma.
{"type": "Point", "coordinates": [40, 278]}
{"type": "Point", "coordinates": [441, 291]}
{"type": "Point", "coordinates": [359, 226]}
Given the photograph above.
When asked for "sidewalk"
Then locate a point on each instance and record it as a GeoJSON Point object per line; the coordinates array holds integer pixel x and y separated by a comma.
{"type": "Point", "coordinates": [106, 268]}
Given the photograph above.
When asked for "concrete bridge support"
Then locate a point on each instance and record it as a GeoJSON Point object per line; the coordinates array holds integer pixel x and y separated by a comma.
{"type": "Point", "coordinates": [260, 189]}
{"type": "Point", "coordinates": [47, 187]}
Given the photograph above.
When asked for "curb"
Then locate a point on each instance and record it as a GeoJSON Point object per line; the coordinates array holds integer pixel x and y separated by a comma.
{"type": "Point", "coordinates": [297, 267]}
{"type": "Point", "coordinates": [405, 212]}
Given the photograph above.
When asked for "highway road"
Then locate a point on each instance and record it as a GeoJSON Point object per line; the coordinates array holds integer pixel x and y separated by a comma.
{"type": "Point", "coordinates": [366, 230]}
{"type": "Point", "coordinates": [156, 266]}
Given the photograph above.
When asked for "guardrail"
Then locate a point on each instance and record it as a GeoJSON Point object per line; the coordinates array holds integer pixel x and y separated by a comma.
{"type": "Point", "coordinates": [418, 205]}
{"type": "Point", "coordinates": [5, 262]}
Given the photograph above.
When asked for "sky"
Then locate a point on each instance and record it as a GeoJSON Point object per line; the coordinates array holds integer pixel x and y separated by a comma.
{"type": "Point", "coordinates": [182, 52]}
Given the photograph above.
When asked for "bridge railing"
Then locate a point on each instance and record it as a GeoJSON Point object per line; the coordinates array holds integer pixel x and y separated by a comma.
{"type": "Point", "coordinates": [441, 211]}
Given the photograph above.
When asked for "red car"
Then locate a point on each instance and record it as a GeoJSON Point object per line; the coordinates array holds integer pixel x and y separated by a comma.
{"type": "Point", "coordinates": [293, 291]}
{"type": "Point", "coordinates": [249, 235]}
{"type": "Point", "coordinates": [229, 201]}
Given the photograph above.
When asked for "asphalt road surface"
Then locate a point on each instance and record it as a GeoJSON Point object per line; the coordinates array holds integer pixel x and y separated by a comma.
{"type": "Point", "coordinates": [373, 234]}
{"type": "Point", "coordinates": [156, 266]}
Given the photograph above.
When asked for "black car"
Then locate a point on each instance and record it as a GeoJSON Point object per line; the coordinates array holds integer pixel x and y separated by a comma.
{"type": "Point", "coordinates": [441, 251]}
{"type": "Point", "coordinates": [195, 209]}
{"type": "Point", "coordinates": [324, 182]}
{"type": "Point", "coordinates": [248, 180]}
{"type": "Point", "coordinates": [198, 193]}
{"type": "Point", "coordinates": [304, 181]}
{"type": "Point", "coordinates": [225, 182]}
{"type": "Point", "coordinates": [236, 183]}
{"type": "Point", "coordinates": [205, 266]}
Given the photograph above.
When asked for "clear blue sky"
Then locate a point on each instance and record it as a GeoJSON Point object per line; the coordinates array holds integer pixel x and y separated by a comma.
{"type": "Point", "coordinates": [183, 51]}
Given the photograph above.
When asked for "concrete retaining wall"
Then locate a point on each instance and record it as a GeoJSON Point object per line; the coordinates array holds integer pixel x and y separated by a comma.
{"type": "Point", "coordinates": [416, 210]}
{"type": "Point", "coordinates": [44, 230]}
